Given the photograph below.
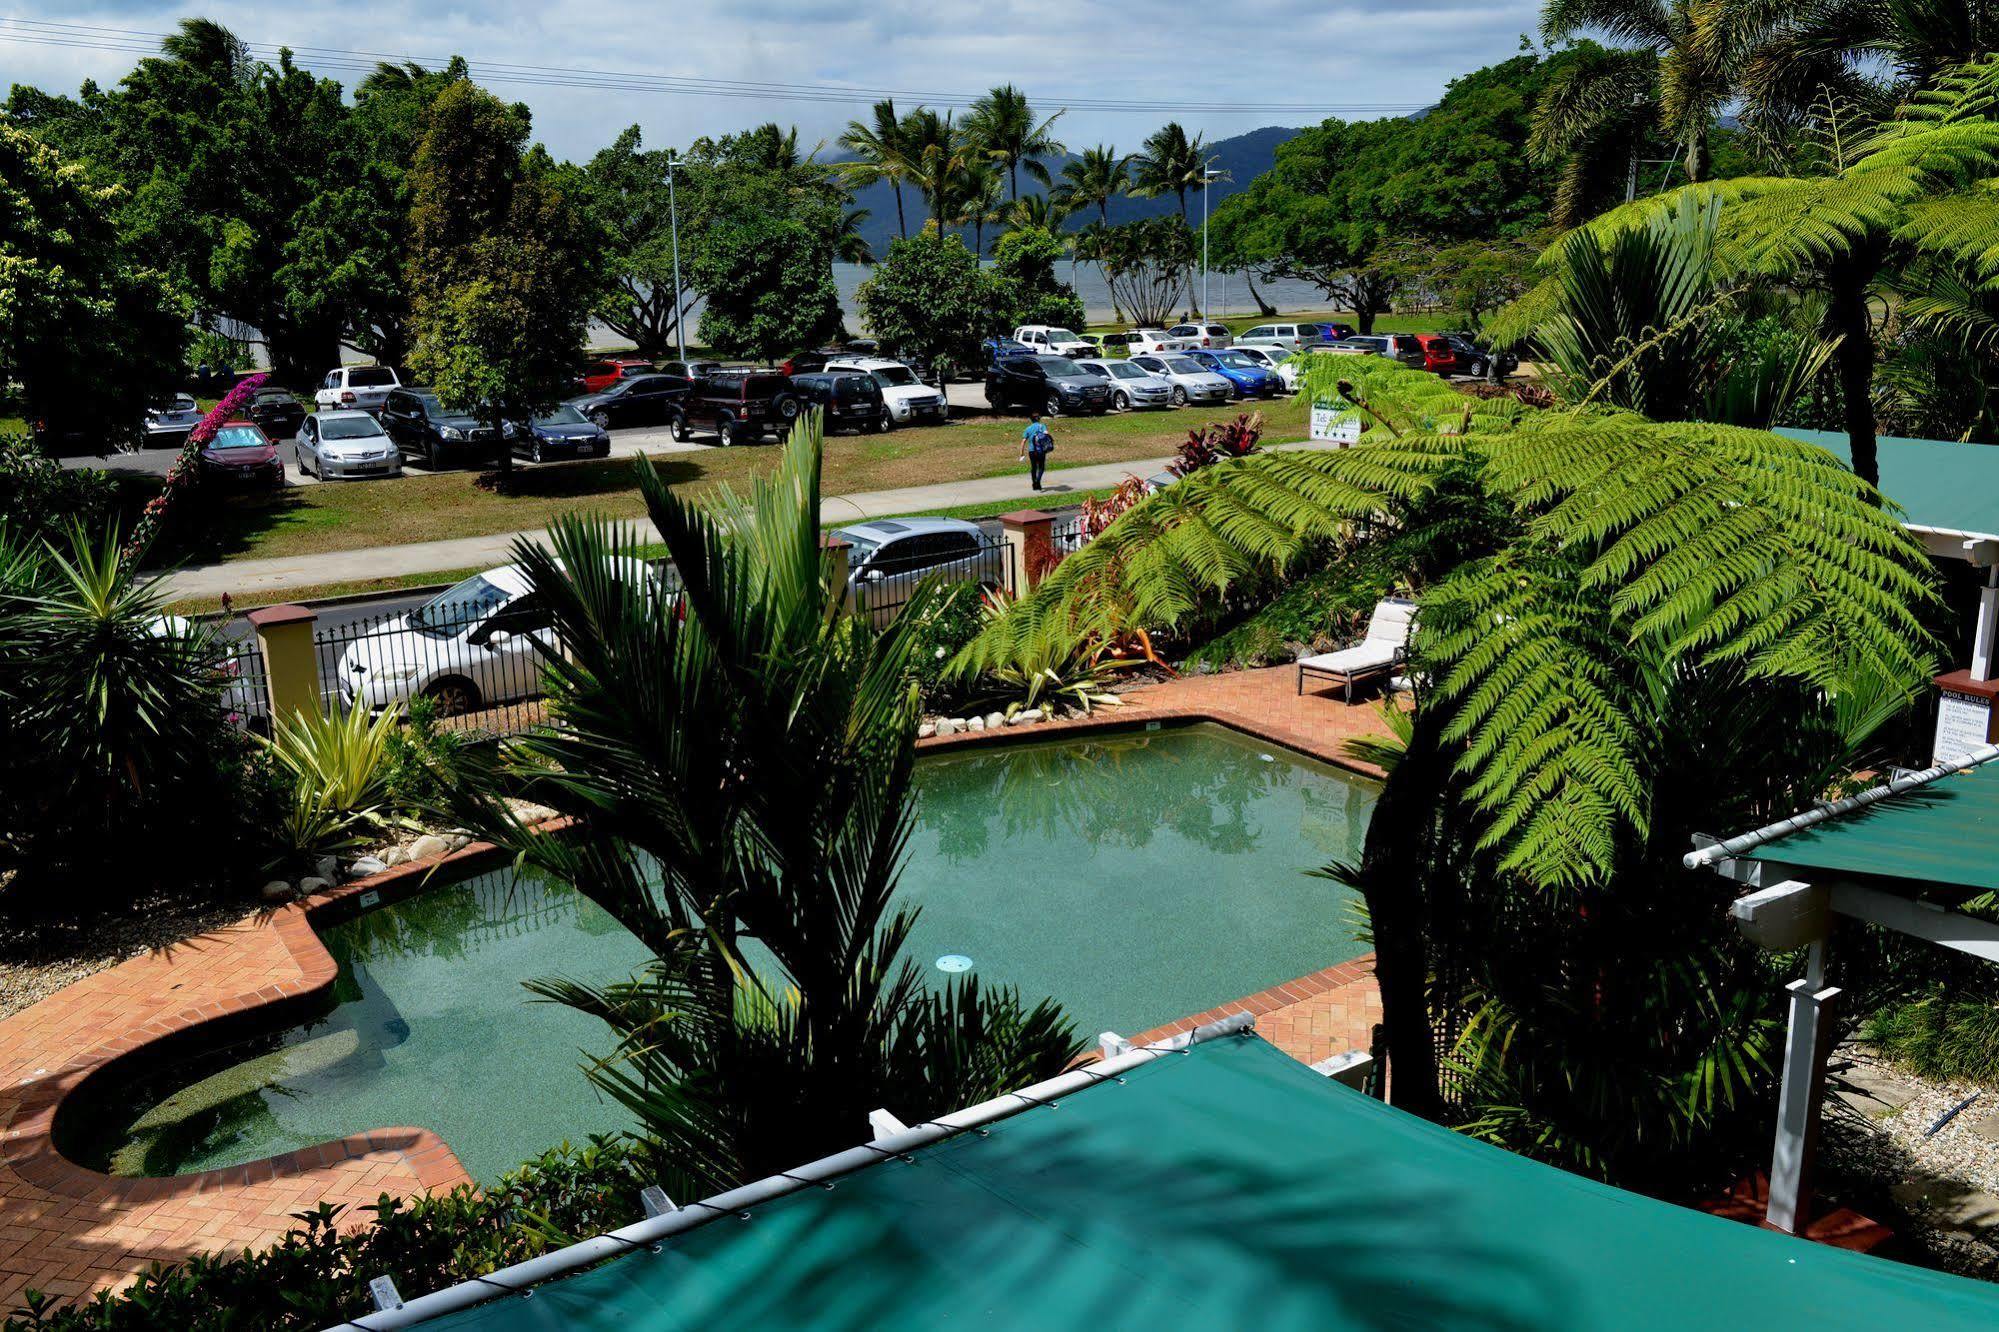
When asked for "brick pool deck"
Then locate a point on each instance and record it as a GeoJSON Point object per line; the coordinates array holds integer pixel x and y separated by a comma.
{"type": "Point", "coordinates": [67, 1230]}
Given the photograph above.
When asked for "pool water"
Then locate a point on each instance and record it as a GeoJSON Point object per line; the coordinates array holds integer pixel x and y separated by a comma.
{"type": "Point", "coordinates": [1136, 879]}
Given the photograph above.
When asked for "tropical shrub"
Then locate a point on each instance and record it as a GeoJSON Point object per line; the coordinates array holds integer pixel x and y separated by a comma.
{"type": "Point", "coordinates": [941, 630]}
{"type": "Point", "coordinates": [39, 496]}
{"type": "Point", "coordinates": [1022, 662]}
{"type": "Point", "coordinates": [418, 755]}
{"type": "Point", "coordinates": [742, 770]}
{"type": "Point", "coordinates": [1217, 441]}
{"type": "Point", "coordinates": [318, 1274]}
{"type": "Point", "coordinates": [120, 758]}
{"type": "Point", "coordinates": [339, 765]}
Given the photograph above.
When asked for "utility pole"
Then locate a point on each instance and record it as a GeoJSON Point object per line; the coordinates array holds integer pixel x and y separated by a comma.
{"type": "Point", "coordinates": [673, 219]}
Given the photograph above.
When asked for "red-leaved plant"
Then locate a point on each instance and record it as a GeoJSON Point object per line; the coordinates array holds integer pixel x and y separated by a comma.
{"type": "Point", "coordinates": [1218, 441]}
{"type": "Point", "coordinates": [187, 466]}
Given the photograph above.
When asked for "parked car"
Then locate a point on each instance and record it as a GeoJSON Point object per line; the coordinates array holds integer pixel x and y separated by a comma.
{"type": "Point", "coordinates": [1096, 341]}
{"type": "Point", "coordinates": [849, 399]}
{"type": "Point", "coordinates": [737, 407]}
{"type": "Point", "coordinates": [1276, 360]}
{"type": "Point", "coordinates": [1287, 337]}
{"type": "Point", "coordinates": [1131, 385]}
{"type": "Point", "coordinates": [276, 412]}
{"type": "Point", "coordinates": [1052, 339]}
{"type": "Point", "coordinates": [241, 457]}
{"type": "Point", "coordinates": [910, 400]}
{"type": "Point", "coordinates": [427, 431]}
{"type": "Point", "coordinates": [172, 421]}
{"type": "Point", "coordinates": [998, 348]}
{"type": "Point", "coordinates": [1050, 384]}
{"type": "Point", "coordinates": [360, 386]}
{"type": "Point", "coordinates": [1246, 377]}
{"type": "Point", "coordinates": [690, 370]}
{"type": "Point", "coordinates": [1403, 347]}
{"type": "Point", "coordinates": [1117, 344]}
{"type": "Point", "coordinates": [600, 375]}
{"type": "Point", "coordinates": [888, 558]}
{"type": "Point", "coordinates": [1334, 332]}
{"type": "Point", "coordinates": [647, 400]}
{"type": "Point", "coordinates": [1153, 342]}
{"type": "Point", "coordinates": [561, 432]}
{"type": "Point", "coordinates": [1202, 335]}
{"type": "Point", "coordinates": [344, 445]}
{"type": "Point", "coordinates": [1483, 358]}
{"type": "Point", "coordinates": [1355, 346]}
{"type": "Point", "coordinates": [477, 643]}
{"type": "Point", "coordinates": [1191, 381]}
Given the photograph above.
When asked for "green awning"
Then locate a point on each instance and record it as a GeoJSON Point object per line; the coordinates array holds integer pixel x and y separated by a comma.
{"type": "Point", "coordinates": [1941, 486]}
{"type": "Point", "coordinates": [1230, 1187]}
{"type": "Point", "coordinates": [1942, 832]}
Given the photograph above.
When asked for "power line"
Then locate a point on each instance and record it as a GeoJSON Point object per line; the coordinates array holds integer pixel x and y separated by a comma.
{"type": "Point", "coordinates": [80, 36]}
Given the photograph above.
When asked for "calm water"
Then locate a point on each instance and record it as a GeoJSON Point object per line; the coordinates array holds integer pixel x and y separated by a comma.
{"type": "Point", "coordinates": [1136, 879]}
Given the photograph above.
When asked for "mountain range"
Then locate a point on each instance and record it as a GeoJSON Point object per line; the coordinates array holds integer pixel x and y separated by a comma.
{"type": "Point", "coordinates": [1243, 158]}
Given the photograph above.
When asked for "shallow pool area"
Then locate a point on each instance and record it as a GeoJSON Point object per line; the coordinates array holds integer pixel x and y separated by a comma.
{"type": "Point", "coordinates": [1136, 877]}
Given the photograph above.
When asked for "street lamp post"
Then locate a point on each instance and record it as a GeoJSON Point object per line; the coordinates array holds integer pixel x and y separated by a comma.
{"type": "Point", "coordinates": [1207, 174]}
{"type": "Point", "coordinates": [673, 219]}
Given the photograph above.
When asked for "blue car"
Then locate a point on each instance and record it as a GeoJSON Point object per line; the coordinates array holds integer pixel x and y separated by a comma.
{"type": "Point", "coordinates": [999, 349]}
{"type": "Point", "coordinates": [1249, 379]}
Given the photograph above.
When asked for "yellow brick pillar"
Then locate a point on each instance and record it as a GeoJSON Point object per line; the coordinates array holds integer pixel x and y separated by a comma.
{"type": "Point", "coordinates": [1030, 547]}
{"type": "Point", "coordinates": [291, 662]}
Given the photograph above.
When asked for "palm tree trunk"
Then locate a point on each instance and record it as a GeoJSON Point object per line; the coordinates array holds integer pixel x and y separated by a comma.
{"type": "Point", "coordinates": [1847, 312]}
{"type": "Point", "coordinates": [1264, 309]}
{"type": "Point", "coordinates": [1699, 159]}
{"type": "Point", "coordinates": [901, 222]}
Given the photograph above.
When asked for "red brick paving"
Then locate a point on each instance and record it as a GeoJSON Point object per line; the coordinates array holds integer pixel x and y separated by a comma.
{"type": "Point", "coordinates": [67, 1231]}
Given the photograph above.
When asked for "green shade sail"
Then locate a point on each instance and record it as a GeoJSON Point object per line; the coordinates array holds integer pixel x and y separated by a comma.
{"type": "Point", "coordinates": [1940, 485]}
{"type": "Point", "coordinates": [1231, 1187]}
{"type": "Point", "coordinates": [1942, 832]}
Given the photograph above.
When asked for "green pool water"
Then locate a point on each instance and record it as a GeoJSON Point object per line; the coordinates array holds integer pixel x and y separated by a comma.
{"type": "Point", "coordinates": [1136, 879]}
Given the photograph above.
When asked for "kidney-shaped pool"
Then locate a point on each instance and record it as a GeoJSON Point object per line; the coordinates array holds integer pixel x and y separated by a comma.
{"type": "Point", "coordinates": [1136, 878]}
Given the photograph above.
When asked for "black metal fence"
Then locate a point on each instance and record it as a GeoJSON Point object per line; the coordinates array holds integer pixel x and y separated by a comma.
{"type": "Point", "coordinates": [476, 654]}
{"type": "Point", "coordinates": [881, 583]}
{"type": "Point", "coordinates": [246, 692]}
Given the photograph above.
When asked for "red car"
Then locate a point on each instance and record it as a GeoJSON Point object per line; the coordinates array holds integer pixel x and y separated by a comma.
{"type": "Point", "coordinates": [600, 375]}
{"type": "Point", "coordinates": [241, 457]}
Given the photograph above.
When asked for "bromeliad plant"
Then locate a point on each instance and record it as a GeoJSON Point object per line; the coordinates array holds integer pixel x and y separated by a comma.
{"type": "Point", "coordinates": [1038, 663]}
{"type": "Point", "coordinates": [739, 775]}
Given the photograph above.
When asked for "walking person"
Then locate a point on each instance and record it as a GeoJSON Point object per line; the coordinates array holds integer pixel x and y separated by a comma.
{"type": "Point", "coordinates": [1035, 446]}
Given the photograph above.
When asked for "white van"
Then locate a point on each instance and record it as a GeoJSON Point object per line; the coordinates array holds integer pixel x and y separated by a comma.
{"type": "Point", "coordinates": [1053, 340]}
{"type": "Point", "coordinates": [355, 387]}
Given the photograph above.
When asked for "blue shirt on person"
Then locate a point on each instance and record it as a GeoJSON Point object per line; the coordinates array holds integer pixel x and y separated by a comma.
{"type": "Point", "coordinates": [1036, 438]}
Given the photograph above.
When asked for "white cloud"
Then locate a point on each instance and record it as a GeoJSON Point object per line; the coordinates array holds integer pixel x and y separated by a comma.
{"type": "Point", "coordinates": [1341, 51]}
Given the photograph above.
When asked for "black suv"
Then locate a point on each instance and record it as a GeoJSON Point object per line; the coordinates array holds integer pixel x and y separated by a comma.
{"type": "Point", "coordinates": [277, 412]}
{"type": "Point", "coordinates": [426, 431]}
{"type": "Point", "coordinates": [1050, 384]}
{"type": "Point", "coordinates": [645, 400]}
{"type": "Point", "coordinates": [850, 399]}
{"type": "Point", "coordinates": [740, 407]}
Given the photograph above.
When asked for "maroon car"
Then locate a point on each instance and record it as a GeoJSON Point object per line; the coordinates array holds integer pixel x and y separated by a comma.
{"type": "Point", "coordinates": [241, 457]}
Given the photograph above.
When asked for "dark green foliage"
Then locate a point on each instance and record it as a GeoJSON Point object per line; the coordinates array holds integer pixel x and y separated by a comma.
{"type": "Point", "coordinates": [419, 754]}
{"type": "Point", "coordinates": [318, 1274]}
{"type": "Point", "coordinates": [627, 191]}
{"type": "Point", "coordinates": [927, 297]}
{"type": "Point", "coordinates": [39, 496]}
{"type": "Point", "coordinates": [1025, 287]}
{"type": "Point", "coordinates": [768, 281]}
{"type": "Point", "coordinates": [940, 633]}
{"type": "Point", "coordinates": [1950, 1033]}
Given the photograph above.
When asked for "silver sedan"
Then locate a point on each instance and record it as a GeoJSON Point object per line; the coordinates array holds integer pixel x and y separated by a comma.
{"type": "Point", "coordinates": [1191, 381]}
{"type": "Point", "coordinates": [346, 446]}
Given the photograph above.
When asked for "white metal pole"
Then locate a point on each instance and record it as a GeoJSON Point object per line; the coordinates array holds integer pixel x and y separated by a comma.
{"type": "Point", "coordinates": [1988, 627]}
{"type": "Point", "coordinates": [1204, 246]}
{"type": "Point", "coordinates": [673, 217]}
{"type": "Point", "coordinates": [1806, 1046]}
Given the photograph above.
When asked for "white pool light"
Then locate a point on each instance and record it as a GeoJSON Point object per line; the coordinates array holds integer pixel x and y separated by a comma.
{"type": "Point", "coordinates": [954, 963]}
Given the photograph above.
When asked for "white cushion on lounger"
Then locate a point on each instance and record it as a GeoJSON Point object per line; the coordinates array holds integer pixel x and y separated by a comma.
{"type": "Point", "coordinates": [1346, 661]}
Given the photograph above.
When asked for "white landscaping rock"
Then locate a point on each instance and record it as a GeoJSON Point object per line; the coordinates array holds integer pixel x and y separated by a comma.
{"type": "Point", "coordinates": [976, 724]}
{"type": "Point", "coordinates": [393, 857]}
{"type": "Point", "coordinates": [277, 890]}
{"type": "Point", "coordinates": [995, 720]}
{"type": "Point", "coordinates": [950, 726]}
{"type": "Point", "coordinates": [327, 868]}
{"type": "Point", "coordinates": [312, 884]}
{"type": "Point", "coordinates": [459, 841]}
{"type": "Point", "coordinates": [363, 866]}
{"type": "Point", "coordinates": [1027, 716]}
{"type": "Point", "coordinates": [429, 847]}
{"type": "Point", "coordinates": [925, 731]}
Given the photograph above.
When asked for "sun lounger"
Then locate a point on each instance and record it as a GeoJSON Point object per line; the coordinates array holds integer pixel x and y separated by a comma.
{"type": "Point", "coordinates": [1384, 648]}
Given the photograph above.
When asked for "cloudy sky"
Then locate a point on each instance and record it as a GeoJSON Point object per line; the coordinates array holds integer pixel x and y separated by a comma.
{"type": "Point", "coordinates": [1298, 61]}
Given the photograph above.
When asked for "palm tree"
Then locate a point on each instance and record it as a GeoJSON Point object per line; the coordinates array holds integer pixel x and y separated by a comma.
{"type": "Point", "coordinates": [1694, 80]}
{"type": "Point", "coordinates": [1002, 128]}
{"type": "Point", "coordinates": [879, 150]}
{"type": "Point", "coordinates": [1592, 124]}
{"type": "Point", "coordinates": [1170, 163]}
{"type": "Point", "coordinates": [1045, 211]}
{"type": "Point", "coordinates": [1093, 179]}
{"type": "Point", "coordinates": [976, 202]}
{"type": "Point", "coordinates": [849, 245]}
{"type": "Point", "coordinates": [738, 764]}
{"type": "Point", "coordinates": [936, 151]}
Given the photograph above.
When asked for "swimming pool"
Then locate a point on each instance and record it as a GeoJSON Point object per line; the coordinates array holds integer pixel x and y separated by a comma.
{"type": "Point", "coordinates": [1137, 878]}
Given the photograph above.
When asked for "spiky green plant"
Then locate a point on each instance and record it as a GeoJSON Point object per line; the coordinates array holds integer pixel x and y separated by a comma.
{"type": "Point", "coordinates": [339, 764]}
{"type": "Point", "coordinates": [1035, 663]}
{"type": "Point", "coordinates": [739, 771]}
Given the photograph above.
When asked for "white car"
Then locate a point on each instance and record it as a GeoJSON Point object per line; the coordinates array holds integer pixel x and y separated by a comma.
{"type": "Point", "coordinates": [170, 422]}
{"type": "Point", "coordinates": [361, 387]}
{"type": "Point", "coordinates": [1131, 385]}
{"type": "Point", "coordinates": [910, 400]}
{"type": "Point", "coordinates": [1154, 342]}
{"type": "Point", "coordinates": [1053, 340]}
{"type": "Point", "coordinates": [1288, 337]}
{"type": "Point", "coordinates": [1191, 381]}
{"type": "Point", "coordinates": [471, 646]}
{"type": "Point", "coordinates": [1212, 336]}
{"type": "Point", "coordinates": [1277, 361]}
{"type": "Point", "coordinates": [343, 445]}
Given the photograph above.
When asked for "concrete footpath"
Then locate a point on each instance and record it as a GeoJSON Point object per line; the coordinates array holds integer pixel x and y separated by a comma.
{"type": "Point", "coordinates": [258, 579]}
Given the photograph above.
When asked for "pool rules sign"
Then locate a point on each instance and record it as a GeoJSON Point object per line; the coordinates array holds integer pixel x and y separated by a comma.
{"type": "Point", "coordinates": [1335, 423]}
{"type": "Point", "coordinates": [1964, 716]}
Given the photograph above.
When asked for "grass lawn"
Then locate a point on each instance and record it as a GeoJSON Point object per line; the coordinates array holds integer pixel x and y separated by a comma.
{"type": "Point", "coordinates": [304, 520]}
